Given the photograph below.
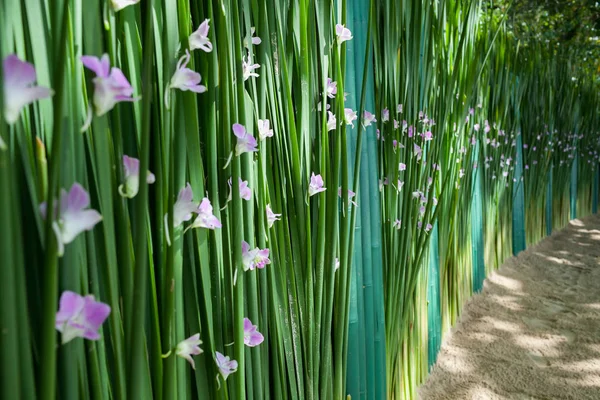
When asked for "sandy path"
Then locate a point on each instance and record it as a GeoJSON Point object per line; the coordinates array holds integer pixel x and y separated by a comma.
{"type": "Point", "coordinates": [534, 332]}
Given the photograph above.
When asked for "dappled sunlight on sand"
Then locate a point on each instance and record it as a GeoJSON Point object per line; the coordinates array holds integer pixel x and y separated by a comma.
{"type": "Point", "coordinates": [534, 332]}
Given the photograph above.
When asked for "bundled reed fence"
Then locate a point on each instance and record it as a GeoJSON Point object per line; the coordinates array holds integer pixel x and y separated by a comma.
{"type": "Point", "coordinates": [251, 199]}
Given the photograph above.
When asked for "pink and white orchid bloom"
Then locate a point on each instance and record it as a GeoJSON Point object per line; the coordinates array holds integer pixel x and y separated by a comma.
{"type": "Point", "coordinates": [199, 39]}
{"type": "Point", "coordinates": [316, 185]}
{"type": "Point", "coordinates": [182, 209]}
{"type": "Point", "coordinates": [188, 348]}
{"type": "Point", "coordinates": [130, 187]}
{"type": "Point", "coordinates": [368, 119]}
{"type": "Point", "coordinates": [331, 121]}
{"type": "Point", "coordinates": [399, 109]}
{"type": "Point", "coordinates": [397, 224]}
{"type": "Point", "coordinates": [385, 115]}
{"type": "Point", "coordinates": [205, 218]}
{"type": "Point", "coordinates": [226, 365]}
{"type": "Point", "coordinates": [80, 316]}
{"type": "Point", "coordinates": [184, 78]}
{"type": "Point", "coordinates": [271, 216]}
{"type": "Point", "coordinates": [255, 258]}
{"type": "Point", "coordinates": [331, 89]}
{"type": "Point", "coordinates": [351, 194]}
{"type": "Point", "coordinates": [245, 191]}
{"type": "Point", "coordinates": [252, 337]}
{"type": "Point", "coordinates": [74, 217]}
{"type": "Point", "coordinates": [251, 39]}
{"type": "Point", "coordinates": [248, 69]}
{"type": "Point", "coordinates": [264, 130]}
{"type": "Point", "coordinates": [350, 116]}
{"type": "Point", "coordinates": [19, 90]}
{"type": "Point", "coordinates": [343, 34]}
{"type": "Point", "coordinates": [118, 5]}
{"type": "Point", "coordinates": [427, 136]}
{"type": "Point", "coordinates": [402, 167]}
{"type": "Point", "coordinates": [110, 85]}
{"type": "Point", "coordinates": [246, 143]}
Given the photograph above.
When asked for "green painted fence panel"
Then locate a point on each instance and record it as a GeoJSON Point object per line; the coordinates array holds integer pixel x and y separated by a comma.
{"type": "Point", "coordinates": [573, 190]}
{"type": "Point", "coordinates": [366, 373]}
{"type": "Point", "coordinates": [477, 244]}
{"type": "Point", "coordinates": [434, 316]}
{"type": "Point", "coordinates": [518, 212]}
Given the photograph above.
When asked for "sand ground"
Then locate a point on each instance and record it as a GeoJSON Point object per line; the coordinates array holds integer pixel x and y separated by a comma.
{"type": "Point", "coordinates": [534, 331]}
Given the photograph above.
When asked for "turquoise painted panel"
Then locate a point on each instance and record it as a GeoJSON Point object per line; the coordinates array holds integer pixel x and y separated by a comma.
{"type": "Point", "coordinates": [518, 212]}
{"type": "Point", "coordinates": [477, 226]}
{"type": "Point", "coordinates": [573, 191]}
{"type": "Point", "coordinates": [434, 317]}
{"type": "Point", "coordinates": [595, 190]}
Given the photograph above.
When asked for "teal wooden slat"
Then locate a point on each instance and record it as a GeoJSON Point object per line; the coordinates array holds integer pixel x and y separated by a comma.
{"type": "Point", "coordinates": [573, 189]}
{"type": "Point", "coordinates": [595, 184]}
{"type": "Point", "coordinates": [434, 317]}
{"type": "Point", "coordinates": [366, 368]}
{"type": "Point", "coordinates": [549, 203]}
{"type": "Point", "coordinates": [477, 227]}
{"type": "Point", "coordinates": [518, 212]}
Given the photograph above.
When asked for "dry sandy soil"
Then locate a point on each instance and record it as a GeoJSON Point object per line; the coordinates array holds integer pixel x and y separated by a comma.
{"type": "Point", "coordinates": [534, 331]}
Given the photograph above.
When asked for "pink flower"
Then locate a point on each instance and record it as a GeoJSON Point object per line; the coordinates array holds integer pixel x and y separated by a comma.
{"type": "Point", "coordinates": [80, 316]}
{"type": "Point", "coordinates": [118, 5]}
{"type": "Point", "coordinates": [428, 227]}
{"type": "Point", "coordinates": [131, 186]}
{"type": "Point", "coordinates": [349, 116]}
{"type": "Point", "coordinates": [74, 218]}
{"type": "Point", "coordinates": [199, 39]}
{"type": "Point", "coordinates": [397, 224]}
{"type": "Point", "coordinates": [205, 218]}
{"type": "Point", "coordinates": [351, 194]}
{"type": "Point", "coordinates": [331, 89]}
{"type": "Point", "coordinates": [255, 258]}
{"type": "Point", "coordinates": [399, 109]}
{"type": "Point", "coordinates": [271, 216]}
{"type": "Point", "coordinates": [402, 167]}
{"type": "Point", "coordinates": [248, 69]}
{"type": "Point", "coordinates": [188, 348]}
{"type": "Point", "coordinates": [182, 209]}
{"type": "Point", "coordinates": [427, 136]}
{"type": "Point", "coordinates": [343, 34]}
{"type": "Point", "coordinates": [331, 121]}
{"type": "Point", "coordinates": [385, 115]}
{"type": "Point", "coordinates": [476, 127]}
{"type": "Point", "coordinates": [400, 185]}
{"type": "Point", "coordinates": [418, 151]}
{"type": "Point", "coordinates": [264, 130]}
{"type": "Point", "coordinates": [251, 39]}
{"type": "Point", "coordinates": [368, 119]}
{"type": "Point", "coordinates": [252, 337]}
{"type": "Point", "coordinates": [316, 185]}
{"type": "Point", "coordinates": [245, 191]}
{"type": "Point", "coordinates": [110, 85]}
{"type": "Point", "coordinates": [396, 124]}
{"type": "Point", "coordinates": [246, 143]}
{"type": "Point", "coordinates": [19, 90]}
{"type": "Point", "coordinates": [184, 78]}
{"type": "Point", "coordinates": [225, 364]}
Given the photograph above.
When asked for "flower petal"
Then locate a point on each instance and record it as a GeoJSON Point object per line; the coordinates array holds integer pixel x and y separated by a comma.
{"type": "Point", "coordinates": [77, 223]}
{"type": "Point", "coordinates": [70, 305]}
{"type": "Point", "coordinates": [100, 66]}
